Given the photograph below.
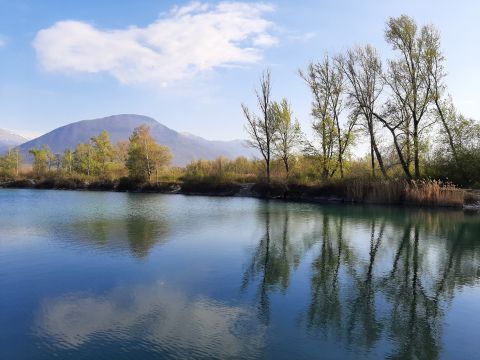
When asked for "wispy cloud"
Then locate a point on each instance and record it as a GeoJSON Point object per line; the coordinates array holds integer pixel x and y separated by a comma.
{"type": "Point", "coordinates": [188, 40]}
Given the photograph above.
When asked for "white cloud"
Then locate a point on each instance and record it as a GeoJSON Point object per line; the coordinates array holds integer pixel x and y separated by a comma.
{"type": "Point", "coordinates": [188, 40]}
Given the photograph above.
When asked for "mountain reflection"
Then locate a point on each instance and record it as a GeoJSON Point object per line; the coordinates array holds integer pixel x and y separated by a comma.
{"type": "Point", "coordinates": [377, 278]}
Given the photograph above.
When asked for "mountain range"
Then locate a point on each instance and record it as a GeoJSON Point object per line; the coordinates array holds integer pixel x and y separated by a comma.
{"type": "Point", "coordinates": [185, 147]}
{"type": "Point", "coordinates": [9, 140]}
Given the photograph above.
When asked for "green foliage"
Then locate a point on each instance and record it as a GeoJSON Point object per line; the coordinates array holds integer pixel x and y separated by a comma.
{"type": "Point", "coordinates": [42, 160]}
{"type": "Point", "coordinates": [11, 163]}
{"type": "Point", "coordinates": [146, 157]}
{"type": "Point", "coordinates": [103, 151]}
{"type": "Point", "coordinates": [84, 159]}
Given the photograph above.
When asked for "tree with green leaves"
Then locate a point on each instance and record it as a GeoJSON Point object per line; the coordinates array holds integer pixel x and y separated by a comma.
{"type": "Point", "coordinates": [42, 159]}
{"type": "Point", "coordinates": [84, 161]}
{"type": "Point", "coordinates": [327, 84]}
{"type": "Point", "coordinates": [409, 79]}
{"type": "Point", "coordinates": [103, 151]}
{"type": "Point", "coordinates": [145, 156]}
{"type": "Point", "coordinates": [11, 162]}
{"type": "Point", "coordinates": [289, 135]}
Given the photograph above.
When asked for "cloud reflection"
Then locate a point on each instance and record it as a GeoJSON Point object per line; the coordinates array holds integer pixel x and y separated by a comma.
{"type": "Point", "coordinates": [157, 316]}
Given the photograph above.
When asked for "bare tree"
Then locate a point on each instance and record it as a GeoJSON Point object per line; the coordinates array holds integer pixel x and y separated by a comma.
{"type": "Point", "coordinates": [363, 69]}
{"type": "Point", "coordinates": [261, 129]}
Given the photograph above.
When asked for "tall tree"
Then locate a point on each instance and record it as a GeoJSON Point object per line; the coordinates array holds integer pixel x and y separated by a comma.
{"type": "Point", "coordinates": [326, 81]}
{"type": "Point", "coordinates": [318, 78]}
{"type": "Point", "coordinates": [363, 69]}
{"type": "Point", "coordinates": [261, 129]}
{"type": "Point", "coordinates": [145, 155]}
{"type": "Point", "coordinates": [288, 135]}
{"type": "Point", "coordinates": [409, 78]}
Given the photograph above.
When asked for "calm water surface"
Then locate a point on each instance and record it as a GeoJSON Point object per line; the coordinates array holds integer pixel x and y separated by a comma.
{"type": "Point", "coordinates": [86, 275]}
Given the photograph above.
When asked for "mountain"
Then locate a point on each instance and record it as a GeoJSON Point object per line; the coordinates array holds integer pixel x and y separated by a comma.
{"type": "Point", "coordinates": [9, 140]}
{"type": "Point", "coordinates": [185, 147]}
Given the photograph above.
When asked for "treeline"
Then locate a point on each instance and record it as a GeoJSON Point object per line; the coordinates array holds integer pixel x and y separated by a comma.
{"type": "Point", "coordinates": [140, 158]}
{"type": "Point", "coordinates": [401, 106]}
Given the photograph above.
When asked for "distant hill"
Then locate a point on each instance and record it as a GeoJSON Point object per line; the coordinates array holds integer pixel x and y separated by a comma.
{"type": "Point", "coordinates": [185, 147]}
{"type": "Point", "coordinates": [9, 140]}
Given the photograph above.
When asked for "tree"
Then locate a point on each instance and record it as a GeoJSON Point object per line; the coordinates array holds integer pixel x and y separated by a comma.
{"type": "Point", "coordinates": [261, 129]}
{"type": "Point", "coordinates": [42, 159]}
{"type": "Point", "coordinates": [363, 69]}
{"type": "Point", "coordinates": [288, 135]}
{"type": "Point", "coordinates": [326, 81]}
{"type": "Point", "coordinates": [84, 159]}
{"type": "Point", "coordinates": [11, 162]}
{"type": "Point", "coordinates": [145, 155]}
{"type": "Point", "coordinates": [103, 150]}
{"type": "Point", "coordinates": [120, 151]}
{"type": "Point", "coordinates": [67, 161]}
{"type": "Point", "coordinates": [409, 78]}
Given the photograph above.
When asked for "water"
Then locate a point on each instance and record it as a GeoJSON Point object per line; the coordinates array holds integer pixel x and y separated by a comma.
{"type": "Point", "coordinates": [87, 275]}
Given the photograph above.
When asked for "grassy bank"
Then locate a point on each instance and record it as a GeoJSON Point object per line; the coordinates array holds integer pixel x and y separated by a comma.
{"type": "Point", "coordinates": [392, 192]}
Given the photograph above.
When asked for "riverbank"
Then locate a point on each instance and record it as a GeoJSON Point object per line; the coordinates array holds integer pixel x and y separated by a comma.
{"type": "Point", "coordinates": [391, 192]}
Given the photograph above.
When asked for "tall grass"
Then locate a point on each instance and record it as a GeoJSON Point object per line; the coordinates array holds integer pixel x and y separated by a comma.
{"type": "Point", "coordinates": [434, 193]}
{"type": "Point", "coordinates": [398, 191]}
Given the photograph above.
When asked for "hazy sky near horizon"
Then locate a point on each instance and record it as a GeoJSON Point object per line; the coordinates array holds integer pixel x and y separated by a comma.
{"type": "Point", "coordinates": [190, 64]}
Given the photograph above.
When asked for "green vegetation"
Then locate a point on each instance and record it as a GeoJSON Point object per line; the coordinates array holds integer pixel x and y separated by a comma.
{"type": "Point", "coordinates": [419, 144]}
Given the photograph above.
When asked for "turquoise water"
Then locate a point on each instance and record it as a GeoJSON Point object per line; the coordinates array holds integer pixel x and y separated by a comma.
{"type": "Point", "coordinates": [93, 275]}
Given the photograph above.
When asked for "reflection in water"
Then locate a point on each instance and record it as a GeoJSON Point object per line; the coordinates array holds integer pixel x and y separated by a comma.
{"type": "Point", "coordinates": [277, 254]}
{"type": "Point", "coordinates": [154, 317]}
{"type": "Point", "coordinates": [233, 278]}
{"type": "Point", "coordinates": [135, 229]}
{"type": "Point", "coordinates": [387, 282]}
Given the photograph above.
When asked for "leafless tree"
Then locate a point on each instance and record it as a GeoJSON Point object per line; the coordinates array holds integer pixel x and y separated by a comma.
{"type": "Point", "coordinates": [261, 129]}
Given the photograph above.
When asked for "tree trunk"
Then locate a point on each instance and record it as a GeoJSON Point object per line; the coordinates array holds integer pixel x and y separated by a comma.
{"type": "Point", "coordinates": [416, 151]}
{"type": "Point", "coordinates": [449, 133]}
{"type": "Point", "coordinates": [379, 159]}
{"type": "Point", "coordinates": [372, 157]}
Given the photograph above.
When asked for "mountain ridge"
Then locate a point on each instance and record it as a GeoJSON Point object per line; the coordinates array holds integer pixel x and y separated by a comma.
{"type": "Point", "coordinates": [9, 139]}
{"type": "Point", "coordinates": [185, 147]}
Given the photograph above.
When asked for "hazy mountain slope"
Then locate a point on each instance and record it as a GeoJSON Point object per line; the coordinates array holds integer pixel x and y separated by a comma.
{"type": "Point", "coordinates": [184, 147]}
{"type": "Point", "coordinates": [9, 140]}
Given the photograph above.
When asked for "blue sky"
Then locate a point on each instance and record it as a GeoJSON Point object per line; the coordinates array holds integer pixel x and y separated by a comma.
{"type": "Point", "coordinates": [64, 61]}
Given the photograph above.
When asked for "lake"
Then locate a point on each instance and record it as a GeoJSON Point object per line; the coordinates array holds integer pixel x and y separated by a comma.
{"type": "Point", "coordinates": [97, 275]}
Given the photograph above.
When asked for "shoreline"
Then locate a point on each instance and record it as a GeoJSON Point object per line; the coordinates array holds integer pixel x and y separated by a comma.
{"type": "Point", "coordinates": [292, 193]}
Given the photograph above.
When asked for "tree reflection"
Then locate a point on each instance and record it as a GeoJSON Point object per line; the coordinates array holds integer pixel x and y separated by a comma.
{"type": "Point", "coordinates": [375, 280]}
{"type": "Point", "coordinates": [276, 255]}
{"type": "Point", "coordinates": [325, 308]}
{"type": "Point", "coordinates": [364, 326]}
{"type": "Point", "coordinates": [133, 230]}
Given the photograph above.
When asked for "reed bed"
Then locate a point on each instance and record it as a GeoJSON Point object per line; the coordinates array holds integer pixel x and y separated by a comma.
{"type": "Point", "coordinates": [398, 191]}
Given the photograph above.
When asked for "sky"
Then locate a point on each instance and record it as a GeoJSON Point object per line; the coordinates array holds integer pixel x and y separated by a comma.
{"type": "Point", "coordinates": [190, 65]}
